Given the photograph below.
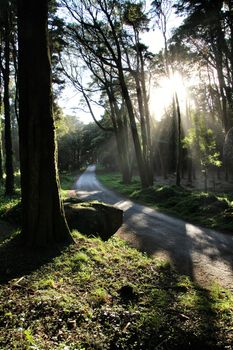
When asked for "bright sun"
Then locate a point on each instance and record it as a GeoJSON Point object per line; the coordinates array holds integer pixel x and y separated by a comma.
{"type": "Point", "coordinates": [161, 95]}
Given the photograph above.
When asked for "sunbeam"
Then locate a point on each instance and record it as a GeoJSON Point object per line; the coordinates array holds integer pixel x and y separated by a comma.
{"type": "Point", "coordinates": [162, 94]}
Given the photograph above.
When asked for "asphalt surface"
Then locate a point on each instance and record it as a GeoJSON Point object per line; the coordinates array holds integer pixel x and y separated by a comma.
{"type": "Point", "coordinates": [203, 254]}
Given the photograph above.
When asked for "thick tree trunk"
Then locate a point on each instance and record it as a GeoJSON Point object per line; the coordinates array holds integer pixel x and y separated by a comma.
{"type": "Point", "coordinates": [43, 215]}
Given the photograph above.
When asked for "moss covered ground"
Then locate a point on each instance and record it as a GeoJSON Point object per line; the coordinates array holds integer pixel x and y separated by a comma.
{"type": "Point", "coordinates": [106, 295]}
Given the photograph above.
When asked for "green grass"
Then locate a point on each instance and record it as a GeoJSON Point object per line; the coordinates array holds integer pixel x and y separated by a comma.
{"type": "Point", "coordinates": [67, 180]}
{"type": "Point", "coordinates": [209, 209]}
{"type": "Point", "coordinates": [75, 301]}
{"type": "Point", "coordinates": [113, 180]}
{"type": "Point", "coordinates": [8, 202]}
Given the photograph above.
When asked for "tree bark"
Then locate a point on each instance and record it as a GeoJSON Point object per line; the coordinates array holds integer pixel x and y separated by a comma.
{"type": "Point", "coordinates": [43, 219]}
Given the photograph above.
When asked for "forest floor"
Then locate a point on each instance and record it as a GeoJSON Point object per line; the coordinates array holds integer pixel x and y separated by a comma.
{"type": "Point", "coordinates": [96, 295]}
{"type": "Point", "coordinates": [215, 184]}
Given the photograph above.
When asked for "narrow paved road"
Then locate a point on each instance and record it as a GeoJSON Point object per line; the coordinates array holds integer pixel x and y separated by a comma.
{"type": "Point", "coordinates": [203, 254]}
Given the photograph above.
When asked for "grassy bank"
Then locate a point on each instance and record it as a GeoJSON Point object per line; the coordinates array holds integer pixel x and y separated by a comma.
{"type": "Point", "coordinates": [95, 295]}
{"type": "Point", "coordinates": [208, 209]}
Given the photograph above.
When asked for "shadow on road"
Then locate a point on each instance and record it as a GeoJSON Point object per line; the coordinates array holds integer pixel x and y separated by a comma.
{"type": "Point", "coordinates": [193, 250]}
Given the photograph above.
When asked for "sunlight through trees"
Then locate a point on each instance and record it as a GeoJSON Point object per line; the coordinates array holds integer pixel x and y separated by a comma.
{"type": "Point", "coordinates": [162, 115]}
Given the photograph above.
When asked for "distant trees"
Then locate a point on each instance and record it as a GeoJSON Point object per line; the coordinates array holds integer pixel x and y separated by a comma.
{"type": "Point", "coordinates": [193, 53]}
{"type": "Point", "coordinates": [108, 34]}
{"type": "Point", "coordinates": [161, 11]}
{"type": "Point", "coordinates": [208, 30]}
{"type": "Point", "coordinates": [80, 144]}
{"type": "Point", "coordinates": [207, 36]}
{"type": "Point", "coordinates": [201, 143]}
{"type": "Point", "coordinates": [43, 219]}
{"type": "Point", "coordinates": [104, 83]}
{"type": "Point", "coordinates": [6, 29]}
{"type": "Point", "coordinates": [106, 37]}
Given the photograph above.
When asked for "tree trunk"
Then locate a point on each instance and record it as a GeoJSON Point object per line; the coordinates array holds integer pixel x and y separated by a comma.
{"type": "Point", "coordinates": [121, 141]}
{"type": "Point", "coordinates": [137, 146]}
{"type": "Point", "coordinates": [1, 158]}
{"type": "Point", "coordinates": [190, 169]}
{"type": "Point", "coordinates": [43, 219]}
{"type": "Point", "coordinates": [147, 120]}
{"type": "Point", "coordinates": [142, 117]}
{"type": "Point", "coordinates": [222, 86]}
{"type": "Point", "coordinates": [1, 168]}
{"type": "Point", "coordinates": [9, 183]}
{"type": "Point", "coordinates": [205, 179]}
{"type": "Point", "coordinates": [178, 163]}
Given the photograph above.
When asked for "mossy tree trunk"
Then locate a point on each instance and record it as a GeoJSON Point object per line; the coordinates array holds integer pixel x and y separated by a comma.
{"type": "Point", "coordinates": [43, 219]}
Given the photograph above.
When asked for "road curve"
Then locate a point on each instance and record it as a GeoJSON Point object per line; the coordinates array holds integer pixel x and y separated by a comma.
{"type": "Point", "coordinates": [203, 254]}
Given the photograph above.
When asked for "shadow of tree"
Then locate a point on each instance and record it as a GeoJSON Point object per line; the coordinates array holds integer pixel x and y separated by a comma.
{"type": "Point", "coordinates": [17, 260]}
{"type": "Point", "coordinates": [6, 230]}
{"type": "Point", "coordinates": [196, 326]}
{"type": "Point", "coordinates": [190, 248]}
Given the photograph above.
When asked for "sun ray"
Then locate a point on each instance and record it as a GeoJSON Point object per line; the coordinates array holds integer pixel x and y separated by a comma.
{"type": "Point", "coordinates": [162, 94]}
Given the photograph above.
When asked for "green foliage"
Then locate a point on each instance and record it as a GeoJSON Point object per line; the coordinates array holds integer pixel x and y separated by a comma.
{"type": "Point", "coordinates": [201, 143]}
{"type": "Point", "coordinates": [67, 180]}
{"type": "Point", "coordinates": [114, 180]}
{"type": "Point", "coordinates": [8, 202]}
{"type": "Point", "coordinates": [134, 15]}
{"type": "Point", "coordinates": [99, 296]}
{"type": "Point", "coordinates": [29, 337]}
{"type": "Point", "coordinates": [69, 133]}
{"type": "Point", "coordinates": [46, 284]}
{"type": "Point", "coordinates": [79, 144]}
